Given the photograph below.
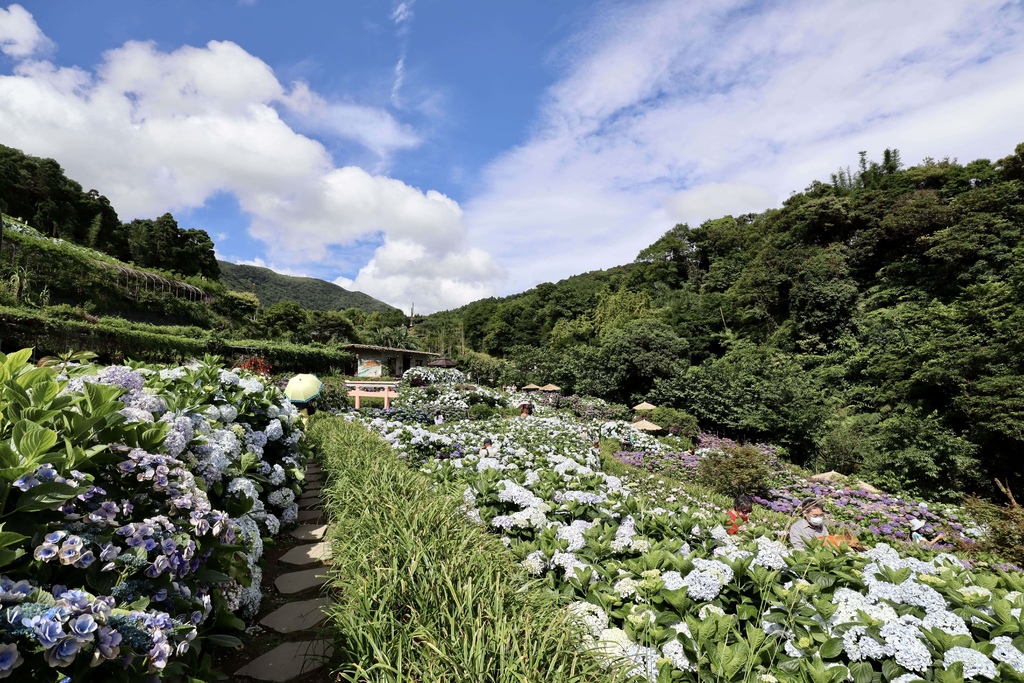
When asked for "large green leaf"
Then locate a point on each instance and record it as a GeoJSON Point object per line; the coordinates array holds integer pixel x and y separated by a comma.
{"type": "Point", "coordinates": [862, 672]}
{"type": "Point", "coordinates": [10, 538]}
{"type": "Point", "coordinates": [46, 496]}
{"type": "Point", "coordinates": [831, 648]}
{"type": "Point", "coordinates": [14, 362]}
{"type": "Point", "coordinates": [32, 441]}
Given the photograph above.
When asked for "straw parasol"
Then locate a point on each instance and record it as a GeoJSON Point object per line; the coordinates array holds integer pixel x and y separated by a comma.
{"type": "Point", "coordinates": [303, 388]}
{"type": "Point", "coordinates": [644, 406]}
{"type": "Point", "coordinates": [531, 387]}
{"type": "Point", "coordinates": [441, 362]}
{"type": "Point", "coordinates": [550, 387]}
{"type": "Point", "coordinates": [646, 425]}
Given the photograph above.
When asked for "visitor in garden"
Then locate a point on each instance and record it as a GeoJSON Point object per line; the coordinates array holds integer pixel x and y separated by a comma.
{"type": "Point", "coordinates": [524, 410]}
{"type": "Point", "coordinates": [917, 537]}
{"type": "Point", "coordinates": [811, 526]}
{"type": "Point", "coordinates": [739, 513]}
{"type": "Point", "coordinates": [488, 450]}
{"type": "Point", "coordinates": [438, 418]}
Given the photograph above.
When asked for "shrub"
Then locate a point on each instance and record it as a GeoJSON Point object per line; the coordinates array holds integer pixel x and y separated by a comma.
{"type": "Point", "coordinates": [333, 396]}
{"type": "Point", "coordinates": [734, 471]}
{"type": "Point", "coordinates": [481, 411]}
{"type": "Point", "coordinates": [676, 422]}
{"type": "Point", "coordinates": [1005, 536]}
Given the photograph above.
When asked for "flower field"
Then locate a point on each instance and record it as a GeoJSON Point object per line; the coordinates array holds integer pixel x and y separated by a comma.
{"type": "Point", "coordinates": [662, 586]}
{"type": "Point", "coordinates": [869, 514]}
{"type": "Point", "coordinates": [134, 505]}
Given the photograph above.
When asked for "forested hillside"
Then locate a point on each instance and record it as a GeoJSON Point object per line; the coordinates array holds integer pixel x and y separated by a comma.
{"type": "Point", "coordinates": [310, 293]}
{"type": "Point", "coordinates": [37, 191]}
{"type": "Point", "coordinates": [873, 324]}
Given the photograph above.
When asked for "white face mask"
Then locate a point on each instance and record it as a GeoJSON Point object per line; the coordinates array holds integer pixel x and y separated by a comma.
{"type": "Point", "coordinates": [816, 521]}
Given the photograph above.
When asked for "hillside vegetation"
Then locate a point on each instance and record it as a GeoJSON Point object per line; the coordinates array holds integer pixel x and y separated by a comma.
{"type": "Point", "coordinates": [310, 293]}
{"type": "Point", "coordinates": [871, 325]}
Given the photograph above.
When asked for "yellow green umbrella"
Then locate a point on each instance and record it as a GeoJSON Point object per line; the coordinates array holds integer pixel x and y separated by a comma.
{"type": "Point", "coordinates": [302, 388]}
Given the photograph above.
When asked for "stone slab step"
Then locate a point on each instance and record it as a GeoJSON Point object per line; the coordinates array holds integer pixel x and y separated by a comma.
{"type": "Point", "coordinates": [314, 469]}
{"type": "Point", "coordinates": [310, 532]}
{"type": "Point", "coordinates": [307, 554]}
{"type": "Point", "coordinates": [296, 582]}
{"type": "Point", "coordinates": [297, 616]}
{"type": "Point", "coordinates": [288, 661]}
{"type": "Point", "coordinates": [309, 515]}
{"type": "Point", "coordinates": [310, 503]}
{"type": "Point", "coordinates": [314, 478]}
{"type": "Point", "coordinates": [310, 493]}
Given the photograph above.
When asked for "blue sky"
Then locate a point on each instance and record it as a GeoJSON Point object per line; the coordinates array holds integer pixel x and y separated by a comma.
{"type": "Point", "coordinates": [438, 151]}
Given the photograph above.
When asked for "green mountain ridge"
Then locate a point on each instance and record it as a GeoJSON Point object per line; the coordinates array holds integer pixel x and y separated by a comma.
{"type": "Point", "coordinates": [310, 293]}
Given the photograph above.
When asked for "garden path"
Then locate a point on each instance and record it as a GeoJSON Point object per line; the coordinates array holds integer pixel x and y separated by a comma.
{"type": "Point", "coordinates": [296, 658]}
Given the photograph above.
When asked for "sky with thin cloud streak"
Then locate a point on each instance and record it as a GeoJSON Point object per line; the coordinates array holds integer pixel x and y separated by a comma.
{"type": "Point", "coordinates": [429, 154]}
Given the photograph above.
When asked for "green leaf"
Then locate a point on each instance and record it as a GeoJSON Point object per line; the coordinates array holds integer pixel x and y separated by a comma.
{"type": "Point", "coordinates": [891, 670]}
{"type": "Point", "coordinates": [223, 640]}
{"type": "Point", "coordinates": [32, 441]}
{"type": "Point", "coordinates": [15, 361]}
{"type": "Point", "coordinates": [46, 496]}
{"type": "Point", "coordinates": [755, 636]}
{"type": "Point", "coordinates": [9, 556]}
{"type": "Point", "coordinates": [861, 672]}
{"type": "Point", "coordinates": [831, 648]}
{"type": "Point", "coordinates": [9, 459]}
{"type": "Point", "coordinates": [211, 576]}
{"type": "Point", "coordinates": [10, 538]}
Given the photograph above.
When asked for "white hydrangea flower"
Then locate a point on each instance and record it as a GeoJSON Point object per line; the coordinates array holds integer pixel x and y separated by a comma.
{"type": "Point", "coordinates": [1006, 652]}
{"type": "Point", "coordinates": [591, 617]}
{"type": "Point", "coordinates": [673, 580]}
{"type": "Point", "coordinates": [281, 498]}
{"type": "Point", "coordinates": [975, 663]}
{"type": "Point", "coordinates": [244, 486]}
{"type": "Point", "coordinates": [625, 587]}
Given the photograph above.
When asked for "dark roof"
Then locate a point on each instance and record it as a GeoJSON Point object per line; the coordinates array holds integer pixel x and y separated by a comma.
{"type": "Point", "coordinates": [388, 349]}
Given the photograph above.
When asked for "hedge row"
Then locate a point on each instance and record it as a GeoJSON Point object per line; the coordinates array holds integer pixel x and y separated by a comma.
{"type": "Point", "coordinates": [20, 328]}
{"type": "Point", "coordinates": [421, 594]}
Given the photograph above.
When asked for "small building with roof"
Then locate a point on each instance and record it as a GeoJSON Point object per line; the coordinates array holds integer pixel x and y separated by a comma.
{"type": "Point", "coordinates": [371, 360]}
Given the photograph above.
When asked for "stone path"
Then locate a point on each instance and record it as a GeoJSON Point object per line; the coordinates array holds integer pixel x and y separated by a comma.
{"type": "Point", "coordinates": [299, 657]}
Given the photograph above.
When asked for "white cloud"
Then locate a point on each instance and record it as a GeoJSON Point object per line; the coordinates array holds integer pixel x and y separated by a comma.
{"type": "Point", "coordinates": [20, 37]}
{"type": "Point", "coordinates": [430, 280]}
{"type": "Point", "coordinates": [375, 129]}
{"type": "Point", "coordinates": [676, 111]}
{"type": "Point", "coordinates": [402, 13]}
{"type": "Point", "coordinates": [166, 131]}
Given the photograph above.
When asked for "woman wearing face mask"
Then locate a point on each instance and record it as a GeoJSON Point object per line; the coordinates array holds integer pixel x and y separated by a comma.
{"type": "Point", "coordinates": [811, 526]}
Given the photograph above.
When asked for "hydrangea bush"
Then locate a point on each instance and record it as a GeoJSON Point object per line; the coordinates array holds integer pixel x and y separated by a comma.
{"type": "Point", "coordinates": [423, 375]}
{"type": "Point", "coordinates": [135, 500]}
{"type": "Point", "coordinates": [666, 588]}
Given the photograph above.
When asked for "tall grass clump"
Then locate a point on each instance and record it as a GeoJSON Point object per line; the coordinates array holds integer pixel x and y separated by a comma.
{"type": "Point", "coordinates": [422, 594]}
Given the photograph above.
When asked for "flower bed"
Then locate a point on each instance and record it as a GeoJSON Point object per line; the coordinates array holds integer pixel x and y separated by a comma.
{"type": "Point", "coordinates": [669, 590]}
{"type": "Point", "coordinates": [864, 512]}
{"type": "Point", "coordinates": [135, 501]}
